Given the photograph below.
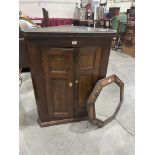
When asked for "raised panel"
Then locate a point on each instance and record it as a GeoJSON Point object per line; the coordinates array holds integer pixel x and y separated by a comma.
{"type": "Point", "coordinates": [58, 103]}
{"type": "Point", "coordinates": [57, 64]}
{"type": "Point", "coordinates": [58, 72]}
{"type": "Point", "coordinates": [87, 73]}
{"type": "Point", "coordinates": [87, 58]}
{"type": "Point", "coordinates": [85, 87]}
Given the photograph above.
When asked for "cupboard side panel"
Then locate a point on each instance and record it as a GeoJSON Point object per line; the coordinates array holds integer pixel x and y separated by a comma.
{"type": "Point", "coordinates": [105, 59]}
{"type": "Point", "coordinates": [38, 80]}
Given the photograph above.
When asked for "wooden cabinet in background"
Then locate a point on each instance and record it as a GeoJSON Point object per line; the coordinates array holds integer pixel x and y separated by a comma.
{"type": "Point", "coordinates": [66, 63]}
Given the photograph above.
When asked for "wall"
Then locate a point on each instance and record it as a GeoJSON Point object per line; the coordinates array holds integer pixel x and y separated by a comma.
{"type": "Point", "coordinates": [123, 5]}
{"type": "Point", "coordinates": [60, 8]}
{"type": "Point", "coordinates": [56, 8]}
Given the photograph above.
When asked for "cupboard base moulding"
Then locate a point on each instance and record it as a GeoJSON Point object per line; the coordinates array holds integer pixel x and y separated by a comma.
{"type": "Point", "coordinates": [62, 121]}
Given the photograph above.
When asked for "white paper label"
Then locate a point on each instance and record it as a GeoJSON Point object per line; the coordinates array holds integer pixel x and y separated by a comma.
{"type": "Point", "coordinates": [74, 42]}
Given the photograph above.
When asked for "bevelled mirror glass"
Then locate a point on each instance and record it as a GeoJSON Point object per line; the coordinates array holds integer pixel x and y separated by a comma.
{"type": "Point", "coordinates": [105, 100]}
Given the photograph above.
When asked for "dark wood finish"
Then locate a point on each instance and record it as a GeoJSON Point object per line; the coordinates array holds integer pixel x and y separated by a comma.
{"type": "Point", "coordinates": [131, 14]}
{"type": "Point", "coordinates": [58, 74]}
{"type": "Point", "coordinates": [128, 46]}
{"type": "Point", "coordinates": [46, 17]}
{"type": "Point", "coordinates": [38, 81]}
{"type": "Point", "coordinates": [87, 74]}
{"type": "Point", "coordinates": [23, 55]}
{"type": "Point", "coordinates": [66, 62]}
{"type": "Point", "coordinates": [62, 121]}
{"type": "Point", "coordinates": [94, 95]}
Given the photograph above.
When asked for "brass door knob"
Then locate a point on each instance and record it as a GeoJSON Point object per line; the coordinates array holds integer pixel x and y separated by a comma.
{"type": "Point", "coordinates": [76, 81]}
{"type": "Point", "coordinates": [70, 84]}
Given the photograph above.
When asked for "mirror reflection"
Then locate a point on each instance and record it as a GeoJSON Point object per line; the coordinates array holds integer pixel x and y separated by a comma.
{"type": "Point", "coordinates": [107, 101]}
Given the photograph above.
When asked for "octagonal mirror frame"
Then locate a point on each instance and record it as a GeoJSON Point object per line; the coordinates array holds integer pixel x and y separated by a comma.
{"type": "Point", "coordinates": [94, 95]}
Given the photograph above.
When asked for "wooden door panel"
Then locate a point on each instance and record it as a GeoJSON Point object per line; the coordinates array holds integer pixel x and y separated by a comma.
{"type": "Point", "coordinates": [85, 86]}
{"type": "Point", "coordinates": [58, 71]}
{"type": "Point", "coordinates": [58, 93]}
{"type": "Point", "coordinates": [57, 62]}
{"type": "Point", "coordinates": [88, 67]}
{"type": "Point", "coordinates": [87, 61]}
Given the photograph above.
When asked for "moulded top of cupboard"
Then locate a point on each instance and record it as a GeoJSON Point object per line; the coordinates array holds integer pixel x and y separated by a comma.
{"type": "Point", "coordinates": [78, 31]}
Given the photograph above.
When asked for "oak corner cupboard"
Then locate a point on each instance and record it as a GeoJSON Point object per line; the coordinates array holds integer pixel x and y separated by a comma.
{"type": "Point", "coordinates": [65, 63]}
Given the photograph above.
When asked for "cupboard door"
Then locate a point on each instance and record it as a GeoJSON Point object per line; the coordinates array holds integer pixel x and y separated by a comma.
{"type": "Point", "coordinates": [87, 74]}
{"type": "Point", "coordinates": [58, 74]}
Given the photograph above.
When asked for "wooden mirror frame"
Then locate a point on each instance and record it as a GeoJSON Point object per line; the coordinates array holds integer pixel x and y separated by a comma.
{"type": "Point", "coordinates": [94, 95]}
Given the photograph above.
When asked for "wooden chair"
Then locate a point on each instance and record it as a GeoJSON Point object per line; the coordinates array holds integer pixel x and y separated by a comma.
{"type": "Point", "coordinates": [46, 18]}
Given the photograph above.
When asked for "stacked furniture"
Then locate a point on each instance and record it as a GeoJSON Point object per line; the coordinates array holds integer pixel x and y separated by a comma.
{"type": "Point", "coordinates": [129, 41]}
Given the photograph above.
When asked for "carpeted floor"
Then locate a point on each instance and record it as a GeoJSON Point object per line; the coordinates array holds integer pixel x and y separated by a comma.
{"type": "Point", "coordinates": [82, 138]}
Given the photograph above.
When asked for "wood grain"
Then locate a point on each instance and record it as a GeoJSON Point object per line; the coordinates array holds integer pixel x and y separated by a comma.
{"type": "Point", "coordinates": [63, 73]}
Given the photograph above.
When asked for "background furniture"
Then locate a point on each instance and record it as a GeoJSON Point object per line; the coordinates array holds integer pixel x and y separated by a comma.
{"type": "Point", "coordinates": [105, 21]}
{"type": "Point", "coordinates": [46, 18]}
{"type": "Point", "coordinates": [24, 24]}
{"type": "Point", "coordinates": [128, 46]}
{"type": "Point", "coordinates": [47, 22]}
{"type": "Point", "coordinates": [23, 56]}
{"type": "Point", "coordinates": [119, 24]}
{"type": "Point", "coordinates": [114, 11]}
{"type": "Point", "coordinates": [53, 21]}
{"type": "Point", "coordinates": [87, 23]}
{"type": "Point", "coordinates": [66, 62]}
